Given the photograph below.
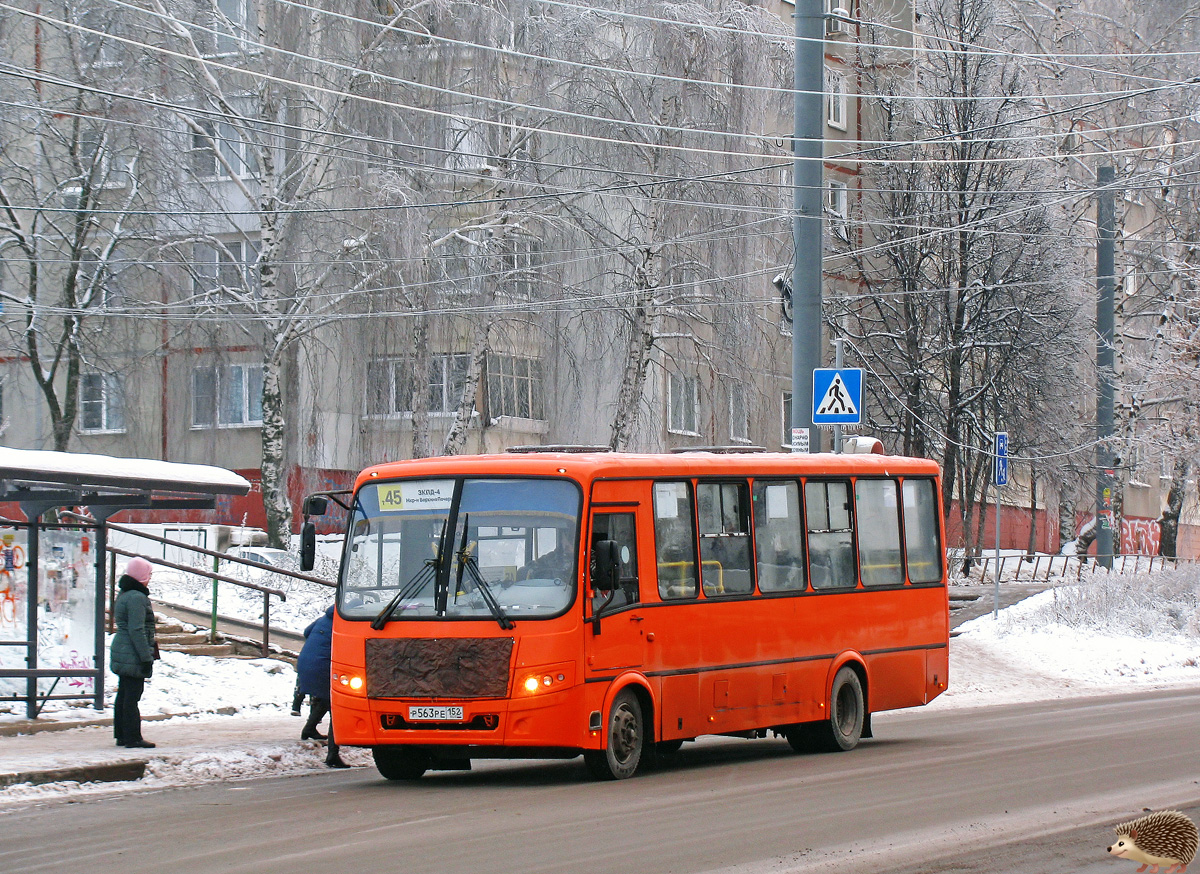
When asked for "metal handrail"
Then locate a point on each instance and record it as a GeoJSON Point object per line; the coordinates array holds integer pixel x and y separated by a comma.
{"type": "Point", "coordinates": [266, 590]}
{"type": "Point", "coordinates": [221, 555]}
{"type": "Point", "coordinates": [1068, 564]}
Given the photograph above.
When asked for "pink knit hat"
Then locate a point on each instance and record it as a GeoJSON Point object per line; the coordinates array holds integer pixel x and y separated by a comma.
{"type": "Point", "coordinates": [139, 569]}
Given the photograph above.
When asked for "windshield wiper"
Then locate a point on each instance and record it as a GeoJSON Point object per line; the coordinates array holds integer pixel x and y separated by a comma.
{"type": "Point", "coordinates": [418, 581]}
{"type": "Point", "coordinates": [467, 561]}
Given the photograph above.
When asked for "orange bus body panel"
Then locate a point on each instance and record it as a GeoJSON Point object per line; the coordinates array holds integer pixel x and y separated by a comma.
{"type": "Point", "coordinates": [707, 665]}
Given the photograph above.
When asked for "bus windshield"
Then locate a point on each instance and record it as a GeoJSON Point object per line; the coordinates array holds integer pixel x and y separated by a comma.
{"type": "Point", "coordinates": [442, 548]}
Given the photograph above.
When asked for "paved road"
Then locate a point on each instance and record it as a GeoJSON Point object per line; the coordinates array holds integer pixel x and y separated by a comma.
{"type": "Point", "coordinates": [931, 788]}
{"type": "Point", "coordinates": [973, 601]}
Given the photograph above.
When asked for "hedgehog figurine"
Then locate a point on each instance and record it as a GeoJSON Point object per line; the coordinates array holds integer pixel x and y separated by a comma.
{"type": "Point", "coordinates": [1164, 839]}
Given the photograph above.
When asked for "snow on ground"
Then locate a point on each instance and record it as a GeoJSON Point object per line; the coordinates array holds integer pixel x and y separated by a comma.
{"type": "Point", "coordinates": [304, 601]}
{"type": "Point", "coordinates": [186, 684]}
{"type": "Point", "coordinates": [1105, 634]}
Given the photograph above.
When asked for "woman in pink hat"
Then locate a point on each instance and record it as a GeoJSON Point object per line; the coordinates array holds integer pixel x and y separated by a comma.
{"type": "Point", "coordinates": [133, 651]}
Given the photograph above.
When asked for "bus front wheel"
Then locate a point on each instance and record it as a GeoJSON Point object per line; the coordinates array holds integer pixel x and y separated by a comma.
{"type": "Point", "coordinates": [847, 712]}
{"type": "Point", "coordinates": [397, 763]}
{"type": "Point", "coordinates": [622, 754]}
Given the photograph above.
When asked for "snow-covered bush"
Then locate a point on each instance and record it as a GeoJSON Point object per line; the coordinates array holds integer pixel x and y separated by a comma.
{"type": "Point", "coordinates": [1141, 604]}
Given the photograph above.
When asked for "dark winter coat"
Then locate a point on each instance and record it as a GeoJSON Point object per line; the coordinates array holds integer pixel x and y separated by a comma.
{"type": "Point", "coordinates": [313, 665]}
{"type": "Point", "coordinates": [133, 644]}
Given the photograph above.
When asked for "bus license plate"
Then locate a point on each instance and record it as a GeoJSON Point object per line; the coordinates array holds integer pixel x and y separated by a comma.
{"type": "Point", "coordinates": [435, 714]}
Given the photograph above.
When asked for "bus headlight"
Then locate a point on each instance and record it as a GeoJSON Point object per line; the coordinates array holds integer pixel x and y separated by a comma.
{"type": "Point", "coordinates": [348, 682]}
{"type": "Point", "coordinates": [546, 678]}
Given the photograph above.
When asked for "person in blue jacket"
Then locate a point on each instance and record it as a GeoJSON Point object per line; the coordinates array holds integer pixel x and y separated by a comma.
{"type": "Point", "coordinates": [312, 674]}
{"type": "Point", "coordinates": [134, 649]}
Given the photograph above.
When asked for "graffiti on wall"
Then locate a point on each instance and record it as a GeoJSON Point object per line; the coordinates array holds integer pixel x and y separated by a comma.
{"type": "Point", "coordinates": [1138, 536]}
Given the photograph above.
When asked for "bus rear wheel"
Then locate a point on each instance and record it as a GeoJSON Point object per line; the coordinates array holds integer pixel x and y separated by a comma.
{"type": "Point", "coordinates": [622, 754]}
{"type": "Point", "coordinates": [398, 763]}
{"type": "Point", "coordinates": [847, 712]}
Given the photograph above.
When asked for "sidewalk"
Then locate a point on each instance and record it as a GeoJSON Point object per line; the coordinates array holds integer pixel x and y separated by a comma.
{"type": "Point", "coordinates": [190, 749]}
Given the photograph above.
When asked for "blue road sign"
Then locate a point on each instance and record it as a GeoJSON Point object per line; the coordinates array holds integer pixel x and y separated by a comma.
{"type": "Point", "coordinates": [1001, 469]}
{"type": "Point", "coordinates": [837, 396]}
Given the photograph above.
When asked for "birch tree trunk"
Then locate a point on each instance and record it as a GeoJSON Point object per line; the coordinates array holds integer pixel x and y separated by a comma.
{"type": "Point", "coordinates": [457, 437]}
{"type": "Point", "coordinates": [642, 317]}
{"type": "Point", "coordinates": [276, 503]}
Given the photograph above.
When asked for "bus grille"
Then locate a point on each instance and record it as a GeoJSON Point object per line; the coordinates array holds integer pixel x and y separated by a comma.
{"type": "Point", "coordinates": [438, 668]}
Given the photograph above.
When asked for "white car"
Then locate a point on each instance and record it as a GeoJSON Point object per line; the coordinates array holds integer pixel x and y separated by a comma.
{"type": "Point", "coordinates": [279, 558]}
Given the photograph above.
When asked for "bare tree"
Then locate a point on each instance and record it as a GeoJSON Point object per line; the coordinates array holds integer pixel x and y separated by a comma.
{"type": "Point", "coordinates": [263, 95]}
{"type": "Point", "coordinates": [76, 177]}
{"type": "Point", "coordinates": [971, 292]}
{"type": "Point", "coordinates": [644, 178]}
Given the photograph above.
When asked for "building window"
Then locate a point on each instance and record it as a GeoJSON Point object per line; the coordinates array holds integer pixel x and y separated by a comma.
{"type": "Point", "coordinates": [786, 407]}
{"type": "Point", "coordinates": [837, 207]}
{"type": "Point", "coordinates": [390, 386]}
{"type": "Point", "coordinates": [101, 402]}
{"type": "Point", "coordinates": [837, 15]}
{"type": "Point", "coordinates": [514, 387]}
{"type": "Point", "coordinates": [835, 99]}
{"type": "Point", "coordinates": [236, 156]}
{"type": "Point", "coordinates": [467, 145]}
{"type": "Point", "coordinates": [739, 413]}
{"type": "Point", "coordinates": [226, 267]}
{"type": "Point", "coordinates": [447, 376]}
{"type": "Point", "coordinates": [227, 395]}
{"type": "Point", "coordinates": [92, 281]}
{"type": "Point", "coordinates": [225, 27]}
{"type": "Point", "coordinates": [95, 46]}
{"type": "Point", "coordinates": [386, 148]}
{"type": "Point", "coordinates": [683, 404]}
{"type": "Point", "coordinates": [519, 261]}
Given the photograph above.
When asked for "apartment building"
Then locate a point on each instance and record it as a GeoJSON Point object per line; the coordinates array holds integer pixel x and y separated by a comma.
{"type": "Point", "coordinates": [452, 244]}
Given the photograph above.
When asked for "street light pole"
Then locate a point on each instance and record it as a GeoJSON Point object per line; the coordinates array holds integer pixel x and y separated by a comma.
{"type": "Point", "coordinates": [808, 152]}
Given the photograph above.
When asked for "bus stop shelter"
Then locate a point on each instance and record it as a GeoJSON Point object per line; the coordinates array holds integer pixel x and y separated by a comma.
{"type": "Point", "coordinates": [52, 575]}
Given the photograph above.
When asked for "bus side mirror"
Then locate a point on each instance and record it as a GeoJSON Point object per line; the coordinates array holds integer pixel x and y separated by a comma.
{"type": "Point", "coordinates": [308, 545]}
{"type": "Point", "coordinates": [315, 505]}
{"type": "Point", "coordinates": [607, 567]}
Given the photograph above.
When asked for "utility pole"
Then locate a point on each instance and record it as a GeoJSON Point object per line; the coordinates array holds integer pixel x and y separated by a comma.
{"type": "Point", "coordinates": [1106, 233]}
{"type": "Point", "coordinates": [808, 156]}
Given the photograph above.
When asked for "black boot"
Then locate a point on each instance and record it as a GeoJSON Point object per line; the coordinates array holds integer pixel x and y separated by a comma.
{"type": "Point", "coordinates": [333, 758]}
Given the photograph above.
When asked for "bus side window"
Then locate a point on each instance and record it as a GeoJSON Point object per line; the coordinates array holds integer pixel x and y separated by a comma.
{"type": "Point", "coordinates": [778, 537]}
{"type": "Point", "coordinates": [830, 534]}
{"type": "Point", "coordinates": [622, 529]}
{"type": "Point", "coordinates": [921, 539]}
{"type": "Point", "coordinates": [724, 538]}
{"type": "Point", "coordinates": [878, 510]}
{"type": "Point", "coordinates": [674, 540]}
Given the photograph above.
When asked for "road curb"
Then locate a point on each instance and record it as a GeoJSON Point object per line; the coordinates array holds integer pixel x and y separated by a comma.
{"type": "Point", "coordinates": [102, 772]}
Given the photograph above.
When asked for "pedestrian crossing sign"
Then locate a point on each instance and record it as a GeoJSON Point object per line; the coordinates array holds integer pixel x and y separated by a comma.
{"type": "Point", "coordinates": [837, 396]}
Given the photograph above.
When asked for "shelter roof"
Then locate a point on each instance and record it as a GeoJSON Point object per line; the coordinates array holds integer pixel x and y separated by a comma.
{"type": "Point", "coordinates": [30, 474]}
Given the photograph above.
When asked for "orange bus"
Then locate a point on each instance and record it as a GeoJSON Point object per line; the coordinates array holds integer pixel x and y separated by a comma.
{"type": "Point", "coordinates": [555, 603]}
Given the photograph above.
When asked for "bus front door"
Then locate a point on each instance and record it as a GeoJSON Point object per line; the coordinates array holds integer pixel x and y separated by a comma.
{"type": "Point", "coordinates": [618, 637]}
